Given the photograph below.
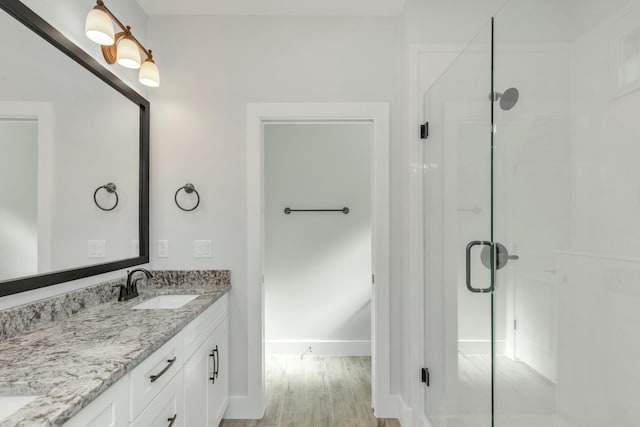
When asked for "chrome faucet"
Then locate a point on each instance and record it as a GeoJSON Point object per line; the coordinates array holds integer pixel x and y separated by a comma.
{"type": "Point", "coordinates": [130, 290]}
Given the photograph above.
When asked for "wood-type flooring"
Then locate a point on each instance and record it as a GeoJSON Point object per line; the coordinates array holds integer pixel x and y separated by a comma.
{"type": "Point", "coordinates": [317, 392]}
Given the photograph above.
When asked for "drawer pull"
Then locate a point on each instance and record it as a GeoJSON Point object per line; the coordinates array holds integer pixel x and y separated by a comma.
{"type": "Point", "coordinates": [216, 363]}
{"type": "Point", "coordinates": [166, 368]}
{"type": "Point", "coordinates": [173, 420]}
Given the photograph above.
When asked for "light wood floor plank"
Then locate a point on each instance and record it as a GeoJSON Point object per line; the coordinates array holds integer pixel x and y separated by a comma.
{"type": "Point", "coordinates": [319, 410]}
{"type": "Point", "coordinates": [346, 423]}
{"type": "Point", "coordinates": [293, 419]}
{"type": "Point", "coordinates": [317, 392]}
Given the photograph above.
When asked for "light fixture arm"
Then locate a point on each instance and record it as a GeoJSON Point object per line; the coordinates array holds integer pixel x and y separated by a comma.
{"type": "Point", "coordinates": [122, 47]}
{"type": "Point", "coordinates": [126, 29]}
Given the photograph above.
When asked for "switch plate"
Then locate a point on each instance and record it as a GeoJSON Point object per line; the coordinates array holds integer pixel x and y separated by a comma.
{"type": "Point", "coordinates": [135, 247]}
{"type": "Point", "coordinates": [202, 248]}
{"type": "Point", "coordinates": [96, 249]}
{"type": "Point", "coordinates": [163, 249]}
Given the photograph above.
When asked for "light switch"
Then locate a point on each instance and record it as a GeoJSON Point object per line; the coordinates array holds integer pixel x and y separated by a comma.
{"type": "Point", "coordinates": [96, 249]}
{"type": "Point", "coordinates": [163, 249]}
{"type": "Point", "coordinates": [202, 248]}
{"type": "Point", "coordinates": [135, 247]}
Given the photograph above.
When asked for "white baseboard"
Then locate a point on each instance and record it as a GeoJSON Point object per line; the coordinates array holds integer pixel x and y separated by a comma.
{"type": "Point", "coordinates": [319, 347]}
{"type": "Point", "coordinates": [424, 422]}
{"type": "Point", "coordinates": [405, 413]}
{"type": "Point", "coordinates": [244, 408]}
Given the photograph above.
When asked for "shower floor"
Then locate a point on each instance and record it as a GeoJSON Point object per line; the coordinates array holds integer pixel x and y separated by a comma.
{"type": "Point", "coordinates": [523, 397]}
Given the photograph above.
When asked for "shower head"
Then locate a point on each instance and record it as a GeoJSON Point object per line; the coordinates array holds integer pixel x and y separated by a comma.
{"type": "Point", "coordinates": [508, 99]}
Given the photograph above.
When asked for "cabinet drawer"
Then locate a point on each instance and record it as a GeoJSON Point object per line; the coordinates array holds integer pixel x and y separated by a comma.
{"type": "Point", "coordinates": [154, 373]}
{"type": "Point", "coordinates": [110, 409]}
{"type": "Point", "coordinates": [166, 407]}
{"type": "Point", "coordinates": [196, 332]}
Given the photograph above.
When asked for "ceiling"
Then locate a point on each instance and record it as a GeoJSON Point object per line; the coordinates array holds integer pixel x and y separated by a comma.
{"type": "Point", "coordinates": [274, 7]}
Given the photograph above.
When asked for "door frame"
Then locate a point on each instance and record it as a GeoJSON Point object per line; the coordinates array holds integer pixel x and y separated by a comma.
{"type": "Point", "coordinates": [42, 113]}
{"type": "Point", "coordinates": [378, 115]}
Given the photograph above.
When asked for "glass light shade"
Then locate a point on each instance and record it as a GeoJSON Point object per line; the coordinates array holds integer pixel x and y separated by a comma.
{"type": "Point", "coordinates": [128, 54]}
{"type": "Point", "coordinates": [149, 74]}
{"type": "Point", "coordinates": [99, 27]}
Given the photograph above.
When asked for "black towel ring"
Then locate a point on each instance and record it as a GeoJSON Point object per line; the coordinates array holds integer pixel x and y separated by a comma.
{"type": "Point", "coordinates": [188, 188]}
{"type": "Point", "coordinates": [110, 188]}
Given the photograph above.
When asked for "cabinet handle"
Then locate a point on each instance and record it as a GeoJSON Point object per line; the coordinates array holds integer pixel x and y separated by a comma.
{"type": "Point", "coordinates": [173, 420]}
{"type": "Point", "coordinates": [166, 368]}
{"type": "Point", "coordinates": [216, 361]}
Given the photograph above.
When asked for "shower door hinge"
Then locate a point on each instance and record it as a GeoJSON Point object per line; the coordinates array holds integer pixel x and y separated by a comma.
{"type": "Point", "coordinates": [424, 130]}
{"type": "Point", "coordinates": [425, 376]}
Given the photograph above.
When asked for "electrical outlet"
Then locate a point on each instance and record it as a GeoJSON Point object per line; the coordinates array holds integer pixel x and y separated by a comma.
{"type": "Point", "coordinates": [135, 248]}
{"type": "Point", "coordinates": [202, 248]}
{"type": "Point", "coordinates": [96, 249]}
{"type": "Point", "coordinates": [163, 249]}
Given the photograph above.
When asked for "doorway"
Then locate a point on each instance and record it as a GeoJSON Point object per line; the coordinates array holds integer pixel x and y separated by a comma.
{"type": "Point", "coordinates": [317, 247]}
{"type": "Point", "coordinates": [377, 115]}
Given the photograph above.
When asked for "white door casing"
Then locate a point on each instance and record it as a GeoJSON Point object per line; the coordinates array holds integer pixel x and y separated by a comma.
{"type": "Point", "coordinates": [252, 405]}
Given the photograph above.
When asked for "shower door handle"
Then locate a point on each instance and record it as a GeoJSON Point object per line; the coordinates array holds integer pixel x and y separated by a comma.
{"type": "Point", "coordinates": [468, 267]}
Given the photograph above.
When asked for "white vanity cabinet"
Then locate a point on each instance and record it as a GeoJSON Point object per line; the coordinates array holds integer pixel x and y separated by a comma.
{"type": "Point", "coordinates": [206, 370]}
{"type": "Point", "coordinates": [176, 385]}
{"type": "Point", "coordinates": [110, 409]}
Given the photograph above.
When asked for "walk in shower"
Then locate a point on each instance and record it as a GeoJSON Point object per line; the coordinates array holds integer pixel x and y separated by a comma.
{"type": "Point", "coordinates": [532, 221]}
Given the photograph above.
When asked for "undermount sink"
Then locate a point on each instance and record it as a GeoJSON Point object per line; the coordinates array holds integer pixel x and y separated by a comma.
{"type": "Point", "coordinates": [11, 404]}
{"type": "Point", "coordinates": [165, 302]}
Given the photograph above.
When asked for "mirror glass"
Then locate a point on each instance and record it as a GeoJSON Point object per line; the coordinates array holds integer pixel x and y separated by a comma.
{"type": "Point", "coordinates": [64, 133]}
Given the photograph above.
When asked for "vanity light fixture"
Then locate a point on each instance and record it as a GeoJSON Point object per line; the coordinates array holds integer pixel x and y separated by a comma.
{"type": "Point", "coordinates": [121, 47]}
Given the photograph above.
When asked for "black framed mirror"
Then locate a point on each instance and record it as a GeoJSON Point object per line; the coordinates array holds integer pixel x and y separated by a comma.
{"type": "Point", "coordinates": [68, 127]}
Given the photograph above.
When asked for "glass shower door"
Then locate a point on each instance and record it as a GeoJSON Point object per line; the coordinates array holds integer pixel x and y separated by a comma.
{"type": "Point", "coordinates": [458, 234]}
{"type": "Point", "coordinates": [566, 191]}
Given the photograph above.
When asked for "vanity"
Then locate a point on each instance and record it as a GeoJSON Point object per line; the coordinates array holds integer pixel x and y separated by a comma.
{"type": "Point", "coordinates": [117, 365]}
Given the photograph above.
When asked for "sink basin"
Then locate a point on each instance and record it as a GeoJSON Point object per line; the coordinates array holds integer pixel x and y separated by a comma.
{"type": "Point", "coordinates": [165, 302]}
{"type": "Point", "coordinates": [11, 404]}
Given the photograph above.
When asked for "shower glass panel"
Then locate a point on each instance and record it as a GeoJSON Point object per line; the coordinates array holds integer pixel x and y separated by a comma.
{"type": "Point", "coordinates": [458, 178]}
{"type": "Point", "coordinates": [567, 203]}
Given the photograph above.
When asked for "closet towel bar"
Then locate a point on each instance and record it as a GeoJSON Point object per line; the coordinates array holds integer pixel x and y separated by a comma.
{"type": "Point", "coordinates": [344, 210]}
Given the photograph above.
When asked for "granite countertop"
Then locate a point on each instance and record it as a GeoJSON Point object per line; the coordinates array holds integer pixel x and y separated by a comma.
{"type": "Point", "coordinates": [72, 361]}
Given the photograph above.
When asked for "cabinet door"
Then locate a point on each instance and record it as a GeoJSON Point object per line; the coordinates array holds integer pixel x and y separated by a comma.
{"type": "Point", "coordinates": [196, 379]}
{"type": "Point", "coordinates": [110, 409]}
{"type": "Point", "coordinates": [218, 392]}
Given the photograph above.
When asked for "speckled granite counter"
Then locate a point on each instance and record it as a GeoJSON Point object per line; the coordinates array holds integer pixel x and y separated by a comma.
{"type": "Point", "coordinates": [72, 361]}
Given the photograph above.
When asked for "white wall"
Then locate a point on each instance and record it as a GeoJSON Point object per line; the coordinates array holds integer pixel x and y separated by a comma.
{"type": "Point", "coordinates": [453, 21]}
{"type": "Point", "coordinates": [317, 267]}
{"type": "Point", "coordinates": [19, 195]}
{"type": "Point", "coordinates": [198, 127]}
